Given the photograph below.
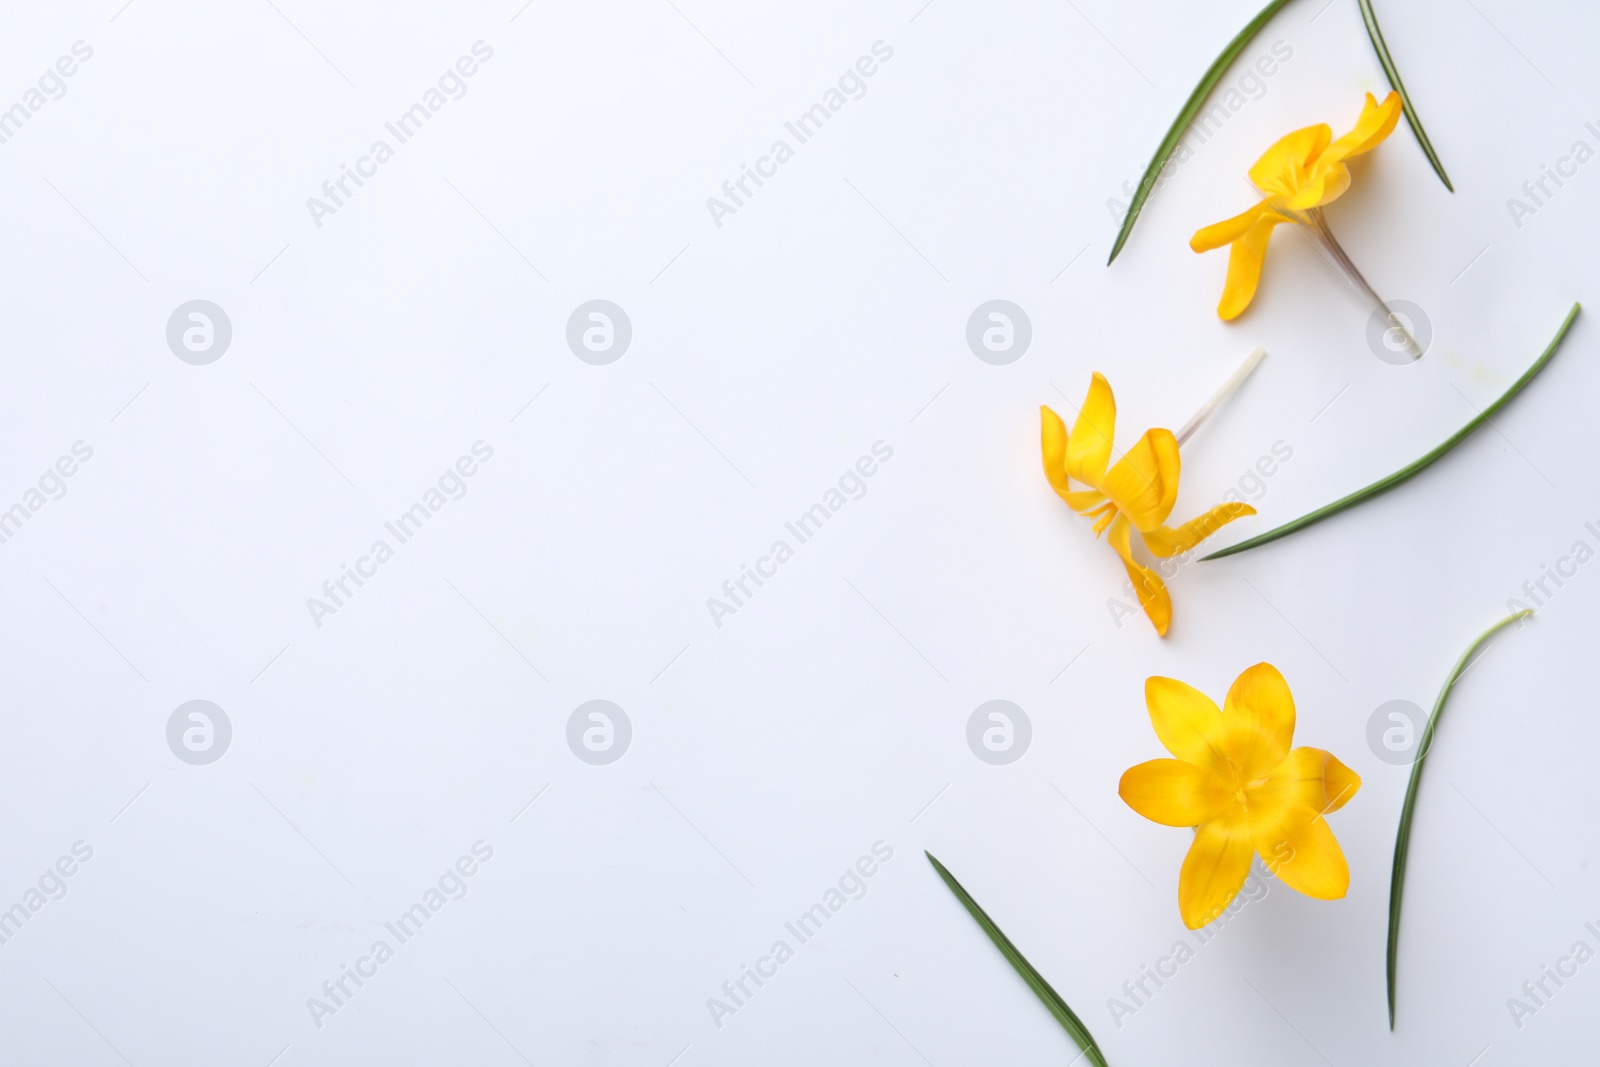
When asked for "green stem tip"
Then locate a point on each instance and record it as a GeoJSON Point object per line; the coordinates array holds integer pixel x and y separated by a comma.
{"type": "Point", "coordinates": [1383, 485]}
{"type": "Point", "coordinates": [1370, 18]}
{"type": "Point", "coordinates": [1052, 1000]}
{"type": "Point", "coordinates": [1402, 841]}
{"type": "Point", "coordinates": [1191, 108]}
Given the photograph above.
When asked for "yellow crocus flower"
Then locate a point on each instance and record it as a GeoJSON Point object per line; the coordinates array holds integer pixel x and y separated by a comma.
{"type": "Point", "coordinates": [1236, 781]}
{"type": "Point", "coordinates": [1301, 173]}
{"type": "Point", "coordinates": [1137, 493]}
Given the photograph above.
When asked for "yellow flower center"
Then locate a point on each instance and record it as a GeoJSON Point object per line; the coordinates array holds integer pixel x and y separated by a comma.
{"type": "Point", "coordinates": [1242, 789]}
{"type": "Point", "coordinates": [1103, 516]}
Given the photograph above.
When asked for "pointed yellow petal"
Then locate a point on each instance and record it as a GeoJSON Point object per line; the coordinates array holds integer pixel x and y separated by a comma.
{"type": "Point", "coordinates": [1214, 869]}
{"type": "Point", "coordinates": [1187, 722]}
{"type": "Point", "coordinates": [1258, 721]}
{"type": "Point", "coordinates": [1376, 123]}
{"type": "Point", "coordinates": [1227, 231]}
{"type": "Point", "coordinates": [1309, 782]}
{"type": "Point", "coordinates": [1282, 168]}
{"type": "Point", "coordinates": [1288, 826]}
{"type": "Point", "coordinates": [1164, 541]}
{"type": "Point", "coordinates": [1244, 266]}
{"type": "Point", "coordinates": [1307, 858]}
{"type": "Point", "coordinates": [1327, 177]}
{"type": "Point", "coordinates": [1339, 783]}
{"type": "Point", "coordinates": [1053, 447]}
{"type": "Point", "coordinates": [1326, 185]}
{"type": "Point", "coordinates": [1089, 446]}
{"type": "Point", "coordinates": [1153, 596]}
{"type": "Point", "coordinates": [1173, 793]}
{"type": "Point", "coordinates": [1144, 483]}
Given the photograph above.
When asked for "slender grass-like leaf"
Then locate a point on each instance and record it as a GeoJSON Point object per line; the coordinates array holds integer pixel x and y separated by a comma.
{"type": "Point", "coordinates": [1402, 841]}
{"type": "Point", "coordinates": [1191, 108]}
{"type": "Point", "coordinates": [1383, 485]}
{"type": "Point", "coordinates": [1370, 17]}
{"type": "Point", "coordinates": [1052, 1000]}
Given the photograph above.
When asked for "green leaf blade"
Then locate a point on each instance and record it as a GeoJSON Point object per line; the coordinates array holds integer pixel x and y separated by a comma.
{"type": "Point", "coordinates": [1375, 34]}
{"type": "Point", "coordinates": [1191, 108]}
{"type": "Point", "coordinates": [1402, 841]}
{"type": "Point", "coordinates": [1052, 1000]}
{"type": "Point", "coordinates": [1383, 485]}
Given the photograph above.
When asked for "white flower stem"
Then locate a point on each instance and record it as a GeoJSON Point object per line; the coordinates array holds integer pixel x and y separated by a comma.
{"type": "Point", "coordinates": [1317, 222]}
{"type": "Point", "coordinates": [1229, 387]}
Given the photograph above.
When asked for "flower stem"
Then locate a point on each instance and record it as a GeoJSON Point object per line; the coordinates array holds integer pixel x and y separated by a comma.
{"type": "Point", "coordinates": [1318, 223]}
{"type": "Point", "coordinates": [1051, 999]}
{"type": "Point", "coordinates": [1402, 841]}
{"type": "Point", "coordinates": [1229, 387]}
{"type": "Point", "coordinates": [1399, 477]}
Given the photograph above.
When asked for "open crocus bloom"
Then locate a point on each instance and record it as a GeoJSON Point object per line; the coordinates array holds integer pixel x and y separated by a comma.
{"type": "Point", "coordinates": [1137, 493]}
{"type": "Point", "coordinates": [1299, 174]}
{"type": "Point", "coordinates": [1236, 781]}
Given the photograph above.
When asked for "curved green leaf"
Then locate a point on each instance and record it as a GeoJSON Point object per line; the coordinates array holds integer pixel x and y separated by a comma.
{"type": "Point", "coordinates": [1064, 1015]}
{"type": "Point", "coordinates": [1402, 841]}
{"type": "Point", "coordinates": [1370, 17]}
{"type": "Point", "coordinates": [1383, 485]}
{"type": "Point", "coordinates": [1191, 108]}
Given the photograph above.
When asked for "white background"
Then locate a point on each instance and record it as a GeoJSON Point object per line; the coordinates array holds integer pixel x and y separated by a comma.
{"type": "Point", "coordinates": [768, 354]}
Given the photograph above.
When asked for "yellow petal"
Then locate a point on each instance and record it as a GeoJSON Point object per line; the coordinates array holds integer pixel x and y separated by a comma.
{"type": "Point", "coordinates": [1089, 447]}
{"type": "Point", "coordinates": [1164, 541]}
{"type": "Point", "coordinates": [1258, 721]}
{"type": "Point", "coordinates": [1281, 170]}
{"type": "Point", "coordinates": [1339, 784]}
{"type": "Point", "coordinates": [1227, 231]}
{"type": "Point", "coordinates": [1153, 596]}
{"type": "Point", "coordinates": [1376, 123]}
{"type": "Point", "coordinates": [1214, 869]}
{"type": "Point", "coordinates": [1308, 859]}
{"type": "Point", "coordinates": [1288, 826]}
{"type": "Point", "coordinates": [1327, 177]}
{"type": "Point", "coordinates": [1144, 483]}
{"type": "Point", "coordinates": [1053, 446]}
{"type": "Point", "coordinates": [1327, 183]}
{"type": "Point", "coordinates": [1306, 784]}
{"type": "Point", "coordinates": [1244, 266]}
{"type": "Point", "coordinates": [1173, 793]}
{"type": "Point", "coordinates": [1187, 722]}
